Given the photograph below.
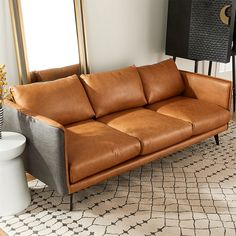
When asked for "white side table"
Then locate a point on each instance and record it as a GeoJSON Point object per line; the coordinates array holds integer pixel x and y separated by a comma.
{"type": "Point", "coordinates": [14, 191]}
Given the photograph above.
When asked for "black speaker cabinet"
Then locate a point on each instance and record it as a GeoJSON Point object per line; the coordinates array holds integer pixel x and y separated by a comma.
{"type": "Point", "coordinates": [201, 29]}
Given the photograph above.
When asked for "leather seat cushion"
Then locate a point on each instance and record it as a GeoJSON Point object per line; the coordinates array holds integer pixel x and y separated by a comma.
{"type": "Point", "coordinates": [202, 115]}
{"type": "Point", "coordinates": [154, 131]}
{"type": "Point", "coordinates": [93, 147]}
{"type": "Point", "coordinates": [161, 81]}
{"type": "Point", "coordinates": [63, 100]}
{"type": "Point", "coordinates": [114, 91]}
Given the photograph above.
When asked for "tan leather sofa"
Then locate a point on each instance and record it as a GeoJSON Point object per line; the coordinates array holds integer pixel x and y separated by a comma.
{"type": "Point", "coordinates": [54, 73]}
{"type": "Point", "coordinates": [83, 131]}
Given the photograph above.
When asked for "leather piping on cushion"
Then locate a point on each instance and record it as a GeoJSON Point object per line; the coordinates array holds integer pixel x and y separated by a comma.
{"type": "Point", "coordinates": [203, 116]}
{"type": "Point", "coordinates": [161, 81]}
{"type": "Point", "coordinates": [63, 100]}
{"type": "Point", "coordinates": [154, 131]}
{"type": "Point", "coordinates": [141, 160]}
{"type": "Point", "coordinates": [114, 91]}
{"type": "Point", "coordinates": [55, 73]}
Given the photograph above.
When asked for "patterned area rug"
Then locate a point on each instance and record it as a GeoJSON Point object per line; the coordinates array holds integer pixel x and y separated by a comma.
{"type": "Point", "coordinates": [192, 192]}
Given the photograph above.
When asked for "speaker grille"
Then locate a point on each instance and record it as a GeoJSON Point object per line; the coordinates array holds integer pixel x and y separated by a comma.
{"type": "Point", "coordinates": [210, 38]}
{"type": "Point", "coordinates": [195, 30]}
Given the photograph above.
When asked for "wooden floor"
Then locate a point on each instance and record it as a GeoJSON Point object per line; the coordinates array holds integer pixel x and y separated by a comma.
{"type": "Point", "coordinates": [30, 177]}
{"type": "Point", "coordinates": [2, 233]}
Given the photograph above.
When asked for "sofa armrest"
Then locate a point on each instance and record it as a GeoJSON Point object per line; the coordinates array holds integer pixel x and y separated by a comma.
{"type": "Point", "coordinates": [207, 88]}
{"type": "Point", "coordinates": [44, 156]}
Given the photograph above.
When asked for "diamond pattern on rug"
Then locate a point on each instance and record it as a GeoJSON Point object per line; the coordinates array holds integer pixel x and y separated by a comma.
{"type": "Point", "coordinates": [191, 192]}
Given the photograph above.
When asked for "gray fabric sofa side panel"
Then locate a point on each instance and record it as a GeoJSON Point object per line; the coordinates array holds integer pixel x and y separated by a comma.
{"type": "Point", "coordinates": [44, 152]}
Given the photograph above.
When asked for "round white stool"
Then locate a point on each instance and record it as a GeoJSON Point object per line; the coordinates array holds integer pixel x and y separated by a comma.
{"type": "Point", "coordinates": [15, 195]}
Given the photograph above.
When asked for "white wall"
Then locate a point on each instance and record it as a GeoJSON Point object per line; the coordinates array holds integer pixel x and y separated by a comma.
{"type": "Point", "coordinates": [126, 32]}
{"type": "Point", "coordinates": [119, 32]}
{"type": "Point", "coordinates": [223, 71]}
{"type": "Point", "coordinates": [7, 49]}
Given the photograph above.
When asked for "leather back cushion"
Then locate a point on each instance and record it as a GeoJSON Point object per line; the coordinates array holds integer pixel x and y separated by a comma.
{"type": "Point", "coordinates": [161, 81]}
{"type": "Point", "coordinates": [55, 73]}
{"type": "Point", "coordinates": [114, 91]}
{"type": "Point", "coordinates": [63, 100]}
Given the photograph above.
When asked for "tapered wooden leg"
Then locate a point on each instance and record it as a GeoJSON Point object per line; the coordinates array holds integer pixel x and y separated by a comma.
{"type": "Point", "coordinates": [71, 201]}
{"type": "Point", "coordinates": [217, 139]}
{"type": "Point", "coordinates": [174, 58]}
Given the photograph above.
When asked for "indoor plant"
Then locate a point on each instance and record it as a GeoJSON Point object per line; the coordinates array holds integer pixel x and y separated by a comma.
{"type": "Point", "coordinates": [3, 92]}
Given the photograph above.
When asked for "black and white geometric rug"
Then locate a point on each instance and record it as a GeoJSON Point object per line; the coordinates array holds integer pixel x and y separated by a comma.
{"type": "Point", "coordinates": [192, 192]}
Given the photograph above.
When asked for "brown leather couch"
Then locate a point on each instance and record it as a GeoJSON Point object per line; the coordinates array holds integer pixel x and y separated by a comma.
{"type": "Point", "coordinates": [82, 131]}
{"type": "Point", "coordinates": [54, 73]}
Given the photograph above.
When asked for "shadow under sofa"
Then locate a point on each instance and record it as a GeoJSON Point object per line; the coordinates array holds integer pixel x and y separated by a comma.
{"type": "Point", "coordinates": [82, 131]}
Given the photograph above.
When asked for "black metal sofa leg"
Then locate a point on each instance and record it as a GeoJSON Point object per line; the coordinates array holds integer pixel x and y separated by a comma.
{"type": "Point", "coordinates": [217, 139]}
{"type": "Point", "coordinates": [71, 201]}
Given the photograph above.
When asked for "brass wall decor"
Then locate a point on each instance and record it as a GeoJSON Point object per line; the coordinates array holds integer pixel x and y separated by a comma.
{"type": "Point", "coordinates": [223, 17]}
{"type": "Point", "coordinates": [20, 40]}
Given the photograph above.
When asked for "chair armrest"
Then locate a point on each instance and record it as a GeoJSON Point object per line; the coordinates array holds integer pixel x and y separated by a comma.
{"type": "Point", "coordinates": [44, 156]}
{"type": "Point", "coordinates": [207, 88]}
